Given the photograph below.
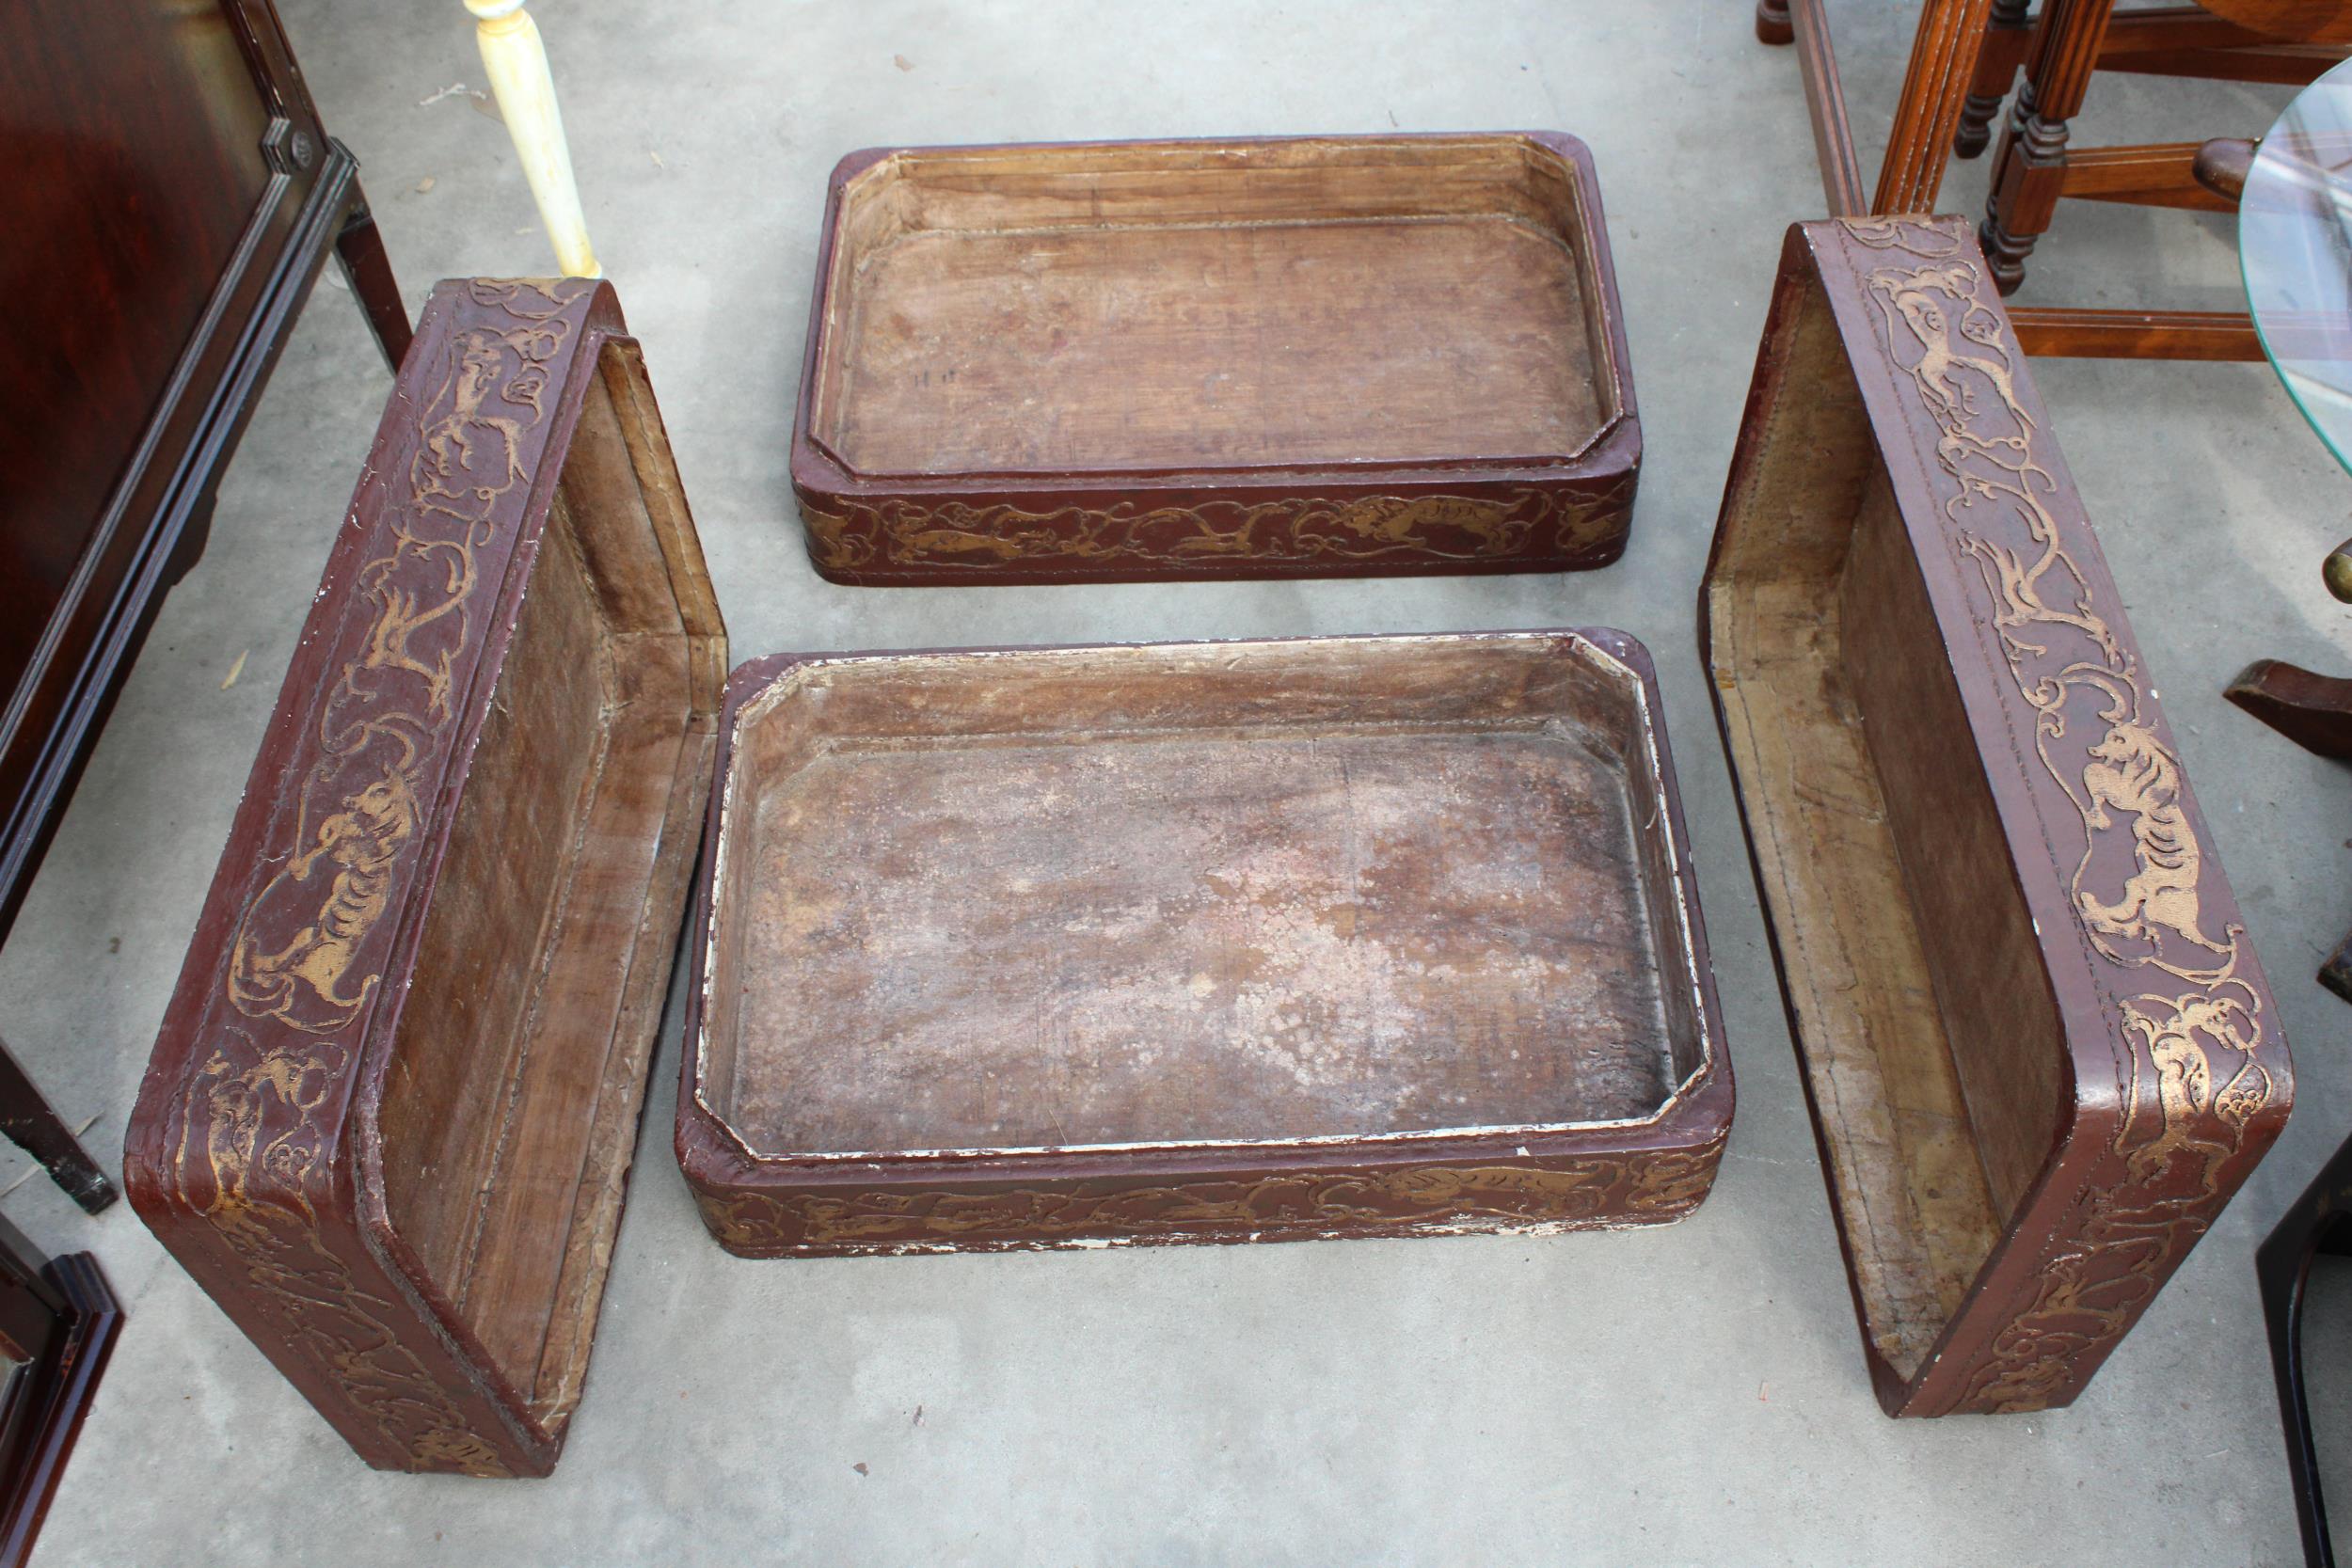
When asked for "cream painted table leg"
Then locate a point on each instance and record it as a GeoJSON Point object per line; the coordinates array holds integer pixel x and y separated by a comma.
{"type": "Point", "coordinates": [518, 65]}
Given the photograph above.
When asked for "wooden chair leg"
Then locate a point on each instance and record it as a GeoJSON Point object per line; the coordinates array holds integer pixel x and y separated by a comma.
{"type": "Point", "coordinates": [2031, 167]}
{"type": "Point", "coordinates": [33, 1125]}
{"type": "Point", "coordinates": [360, 250]}
{"type": "Point", "coordinates": [2007, 34]}
{"type": "Point", "coordinates": [1772, 21]}
{"type": "Point", "coordinates": [517, 62]}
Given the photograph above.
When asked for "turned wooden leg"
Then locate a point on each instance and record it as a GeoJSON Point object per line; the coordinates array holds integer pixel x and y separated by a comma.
{"type": "Point", "coordinates": [360, 250]}
{"type": "Point", "coordinates": [2030, 167]}
{"type": "Point", "coordinates": [1997, 72]}
{"type": "Point", "coordinates": [517, 62]}
{"type": "Point", "coordinates": [32, 1124]}
{"type": "Point", "coordinates": [1772, 21]}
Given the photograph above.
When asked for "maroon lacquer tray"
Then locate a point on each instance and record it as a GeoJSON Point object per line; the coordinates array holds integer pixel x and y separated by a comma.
{"type": "Point", "coordinates": [1197, 942]}
{"type": "Point", "coordinates": [1315, 356]}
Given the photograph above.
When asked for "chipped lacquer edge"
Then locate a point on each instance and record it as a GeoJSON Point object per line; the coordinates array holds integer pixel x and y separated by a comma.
{"type": "Point", "coordinates": [1042, 527]}
{"type": "Point", "coordinates": [1536, 1178]}
{"type": "Point", "coordinates": [2182, 1077]}
{"type": "Point", "coordinates": [241, 1151]}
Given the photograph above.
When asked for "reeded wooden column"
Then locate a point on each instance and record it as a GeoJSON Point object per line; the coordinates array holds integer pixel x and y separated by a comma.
{"type": "Point", "coordinates": [2031, 167]}
{"type": "Point", "coordinates": [1927, 116]}
{"type": "Point", "coordinates": [518, 65]}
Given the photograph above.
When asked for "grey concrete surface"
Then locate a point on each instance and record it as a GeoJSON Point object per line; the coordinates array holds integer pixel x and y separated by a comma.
{"type": "Point", "coordinates": [1695, 1394]}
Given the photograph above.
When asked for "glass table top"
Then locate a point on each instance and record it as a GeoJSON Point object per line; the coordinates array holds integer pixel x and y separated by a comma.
{"type": "Point", "coordinates": [2294, 248]}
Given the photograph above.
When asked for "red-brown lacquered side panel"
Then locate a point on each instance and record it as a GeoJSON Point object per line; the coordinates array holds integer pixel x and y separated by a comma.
{"type": "Point", "coordinates": [1535, 1179]}
{"type": "Point", "coordinates": [1471, 511]}
{"type": "Point", "coordinates": [240, 1154]}
{"type": "Point", "coordinates": [2177, 1074]}
{"type": "Point", "coordinates": [1529, 1184]}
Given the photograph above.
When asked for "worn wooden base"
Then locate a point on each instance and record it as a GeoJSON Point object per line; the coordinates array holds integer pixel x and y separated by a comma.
{"type": "Point", "coordinates": [1772, 21]}
{"type": "Point", "coordinates": [53, 1394]}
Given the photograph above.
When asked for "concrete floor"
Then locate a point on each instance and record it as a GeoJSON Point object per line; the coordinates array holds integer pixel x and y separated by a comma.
{"type": "Point", "coordinates": [1695, 1394]}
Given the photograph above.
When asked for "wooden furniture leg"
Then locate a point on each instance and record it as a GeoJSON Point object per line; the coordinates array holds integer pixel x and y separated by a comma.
{"type": "Point", "coordinates": [1968, 50]}
{"type": "Point", "coordinates": [1926, 116]}
{"type": "Point", "coordinates": [2030, 169]}
{"type": "Point", "coordinates": [360, 250]}
{"type": "Point", "coordinates": [1825, 101]}
{"type": "Point", "coordinates": [33, 1125]}
{"type": "Point", "coordinates": [2008, 34]}
{"type": "Point", "coordinates": [517, 62]}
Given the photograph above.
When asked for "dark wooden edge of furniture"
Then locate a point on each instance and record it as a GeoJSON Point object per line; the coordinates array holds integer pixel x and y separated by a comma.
{"type": "Point", "coordinates": [2319, 1220]}
{"type": "Point", "coordinates": [61, 1319]}
{"type": "Point", "coordinates": [254, 1152]}
{"type": "Point", "coordinates": [2160, 1133]}
{"type": "Point", "coordinates": [156, 520]}
{"type": "Point", "coordinates": [1964, 55]}
{"type": "Point", "coordinates": [776, 1207]}
{"type": "Point", "coordinates": [1586, 501]}
{"type": "Point", "coordinates": [314, 207]}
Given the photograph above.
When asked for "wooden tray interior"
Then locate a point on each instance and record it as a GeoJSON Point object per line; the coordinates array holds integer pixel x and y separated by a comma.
{"type": "Point", "coordinates": [1939, 1076]}
{"type": "Point", "coordinates": [1215, 892]}
{"type": "Point", "coordinates": [509, 1112]}
{"type": "Point", "coordinates": [1186, 305]}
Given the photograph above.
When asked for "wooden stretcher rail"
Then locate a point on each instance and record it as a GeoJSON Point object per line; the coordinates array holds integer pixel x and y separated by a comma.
{"type": "Point", "coordinates": [2062, 332]}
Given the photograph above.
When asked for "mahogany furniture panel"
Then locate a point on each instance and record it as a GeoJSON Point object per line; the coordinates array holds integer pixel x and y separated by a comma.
{"type": "Point", "coordinates": [170, 199]}
{"type": "Point", "coordinates": [1197, 942]}
{"type": "Point", "coordinates": [389, 1122]}
{"type": "Point", "coordinates": [1307, 357]}
{"type": "Point", "coordinates": [2039, 1051]}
